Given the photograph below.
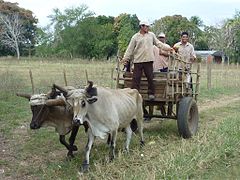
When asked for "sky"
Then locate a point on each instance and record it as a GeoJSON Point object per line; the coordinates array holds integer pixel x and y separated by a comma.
{"type": "Point", "coordinates": [212, 12]}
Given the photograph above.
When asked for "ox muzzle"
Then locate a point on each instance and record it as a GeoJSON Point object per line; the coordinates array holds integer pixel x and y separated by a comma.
{"type": "Point", "coordinates": [78, 120]}
{"type": "Point", "coordinates": [34, 125]}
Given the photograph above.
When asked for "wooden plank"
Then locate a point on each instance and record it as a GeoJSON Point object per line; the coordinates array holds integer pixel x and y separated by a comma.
{"type": "Point", "coordinates": [145, 83]}
{"type": "Point", "coordinates": [157, 96]}
{"type": "Point", "coordinates": [197, 81]}
{"type": "Point", "coordinates": [155, 75]}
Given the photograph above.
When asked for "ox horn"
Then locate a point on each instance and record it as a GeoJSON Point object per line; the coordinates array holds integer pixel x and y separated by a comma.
{"type": "Point", "coordinates": [28, 96]}
{"type": "Point", "coordinates": [63, 90]}
{"type": "Point", "coordinates": [55, 102]}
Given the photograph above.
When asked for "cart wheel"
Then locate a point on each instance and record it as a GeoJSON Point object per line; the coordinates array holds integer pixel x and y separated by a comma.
{"type": "Point", "coordinates": [187, 117]}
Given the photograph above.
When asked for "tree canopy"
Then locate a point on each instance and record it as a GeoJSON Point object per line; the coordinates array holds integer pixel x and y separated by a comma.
{"type": "Point", "coordinates": [78, 32]}
{"type": "Point", "coordinates": [172, 26]}
{"type": "Point", "coordinates": [11, 12]}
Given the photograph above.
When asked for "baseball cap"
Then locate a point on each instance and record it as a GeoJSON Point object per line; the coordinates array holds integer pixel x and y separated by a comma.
{"type": "Point", "coordinates": [161, 35]}
{"type": "Point", "coordinates": [144, 23]}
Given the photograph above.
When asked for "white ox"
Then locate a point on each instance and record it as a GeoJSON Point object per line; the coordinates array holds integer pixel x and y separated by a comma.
{"type": "Point", "coordinates": [105, 110]}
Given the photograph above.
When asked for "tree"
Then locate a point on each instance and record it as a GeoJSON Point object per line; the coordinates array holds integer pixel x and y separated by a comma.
{"type": "Point", "coordinates": [96, 37]}
{"type": "Point", "coordinates": [172, 26]}
{"type": "Point", "coordinates": [231, 30]}
{"type": "Point", "coordinates": [196, 20]}
{"type": "Point", "coordinates": [12, 31]}
{"type": "Point", "coordinates": [92, 37]}
{"type": "Point", "coordinates": [13, 12]}
{"type": "Point", "coordinates": [70, 17]}
{"type": "Point", "coordinates": [44, 43]}
{"type": "Point", "coordinates": [125, 27]}
{"type": "Point", "coordinates": [215, 37]}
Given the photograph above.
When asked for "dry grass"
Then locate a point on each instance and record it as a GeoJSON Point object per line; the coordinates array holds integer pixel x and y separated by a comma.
{"type": "Point", "coordinates": [26, 154]}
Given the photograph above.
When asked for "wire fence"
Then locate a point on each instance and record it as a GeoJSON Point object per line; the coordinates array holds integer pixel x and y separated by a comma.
{"type": "Point", "coordinates": [44, 74]}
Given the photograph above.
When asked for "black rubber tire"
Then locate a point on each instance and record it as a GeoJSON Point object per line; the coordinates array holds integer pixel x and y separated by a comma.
{"type": "Point", "coordinates": [187, 117]}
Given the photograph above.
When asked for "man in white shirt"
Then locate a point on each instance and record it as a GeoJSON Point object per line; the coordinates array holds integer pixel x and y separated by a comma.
{"type": "Point", "coordinates": [161, 57]}
{"type": "Point", "coordinates": [141, 48]}
{"type": "Point", "coordinates": [185, 49]}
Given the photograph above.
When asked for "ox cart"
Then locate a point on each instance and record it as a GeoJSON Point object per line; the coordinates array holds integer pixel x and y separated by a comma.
{"type": "Point", "coordinates": [176, 93]}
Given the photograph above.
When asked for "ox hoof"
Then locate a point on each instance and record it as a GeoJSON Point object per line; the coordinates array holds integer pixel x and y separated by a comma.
{"type": "Point", "coordinates": [142, 144]}
{"type": "Point", "coordinates": [84, 168]}
{"type": "Point", "coordinates": [74, 148]}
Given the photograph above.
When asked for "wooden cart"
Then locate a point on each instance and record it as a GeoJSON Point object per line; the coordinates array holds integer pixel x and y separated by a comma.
{"type": "Point", "coordinates": [175, 94]}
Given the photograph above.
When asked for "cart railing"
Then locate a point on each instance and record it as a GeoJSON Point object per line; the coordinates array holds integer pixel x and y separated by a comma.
{"type": "Point", "coordinates": [171, 85]}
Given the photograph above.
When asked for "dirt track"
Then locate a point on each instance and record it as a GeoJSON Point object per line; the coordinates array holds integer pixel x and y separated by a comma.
{"type": "Point", "coordinates": [221, 102]}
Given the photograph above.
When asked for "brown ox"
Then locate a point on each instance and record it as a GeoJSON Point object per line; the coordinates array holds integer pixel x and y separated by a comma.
{"type": "Point", "coordinates": [48, 110]}
{"type": "Point", "coordinates": [105, 111]}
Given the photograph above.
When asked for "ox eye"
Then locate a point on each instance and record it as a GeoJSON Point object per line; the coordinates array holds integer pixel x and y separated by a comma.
{"type": "Point", "coordinates": [83, 103]}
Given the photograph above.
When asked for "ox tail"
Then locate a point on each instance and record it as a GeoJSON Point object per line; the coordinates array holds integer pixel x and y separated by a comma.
{"type": "Point", "coordinates": [139, 116]}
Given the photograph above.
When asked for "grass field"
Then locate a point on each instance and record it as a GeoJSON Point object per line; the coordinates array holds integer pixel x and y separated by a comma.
{"type": "Point", "coordinates": [214, 153]}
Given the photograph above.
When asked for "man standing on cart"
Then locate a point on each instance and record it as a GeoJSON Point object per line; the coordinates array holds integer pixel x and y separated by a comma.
{"type": "Point", "coordinates": [141, 48]}
{"type": "Point", "coordinates": [186, 50]}
{"type": "Point", "coordinates": [161, 57]}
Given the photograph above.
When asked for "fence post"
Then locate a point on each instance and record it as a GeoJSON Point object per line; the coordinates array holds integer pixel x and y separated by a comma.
{"type": "Point", "coordinates": [65, 77]}
{"type": "Point", "coordinates": [86, 73]}
{"type": "Point", "coordinates": [197, 81]}
{"type": "Point", "coordinates": [112, 70]}
{"type": "Point", "coordinates": [209, 72]}
{"type": "Point", "coordinates": [31, 78]}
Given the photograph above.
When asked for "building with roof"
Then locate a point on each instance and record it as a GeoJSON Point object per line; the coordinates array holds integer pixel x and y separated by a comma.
{"type": "Point", "coordinates": [218, 56]}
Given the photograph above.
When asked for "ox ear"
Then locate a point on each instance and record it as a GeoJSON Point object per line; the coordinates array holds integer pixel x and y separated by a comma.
{"type": "Point", "coordinates": [28, 96]}
{"type": "Point", "coordinates": [90, 90]}
{"type": "Point", "coordinates": [92, 100]}
{"type": "Point", "coordinates": [61, 89]}
{"type": "Point", "coordinates": [52, 94]}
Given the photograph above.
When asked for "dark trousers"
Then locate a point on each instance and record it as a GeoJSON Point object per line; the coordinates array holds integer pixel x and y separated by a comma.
{"type": "Point", "coordinates": [147, 68]}
{"type": "Point", "coordinates": [164, 69]}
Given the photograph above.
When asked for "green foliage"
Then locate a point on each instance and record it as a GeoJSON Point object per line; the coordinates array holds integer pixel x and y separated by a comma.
{"type": "Point", "coordinates": [225, 37]}
{"type": "Point", "coordinates": [29, 26]}
{"type": "Point", "coordinates": [172, 26]}
{"type": "Point", "coordinates": [125, 27]}
{"type": "Point", "coordinates": [78, 34]}
{"type": "Point", "coordinates": [43, 43]}
{"type": "Point", "coordinates": [69, 17]}
{"type": "Point", "coordinates": [125, 34]}
{"type": "Point", "coordinates": [201, 43]}
{"type": "Point", "coordinates": [231, 30]}
{"type": "Point", "coordinates": [95, 39]}
{"type": "Point", "coordinates": [196, 20]}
